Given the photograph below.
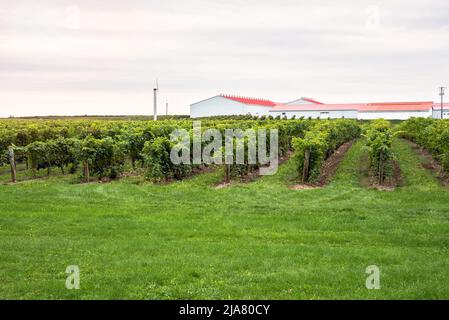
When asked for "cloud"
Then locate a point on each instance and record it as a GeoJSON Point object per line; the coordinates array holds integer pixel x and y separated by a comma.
{"type": "Point", "coordinates": [102, 57]}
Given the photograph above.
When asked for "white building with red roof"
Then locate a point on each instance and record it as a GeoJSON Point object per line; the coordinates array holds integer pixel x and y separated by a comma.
{"type": "Point", "coordinates": [362, 111]}
{"type": "Point", "coordinates": [309, 108]}
{"type": "Point", "coordinates": [224, 104]}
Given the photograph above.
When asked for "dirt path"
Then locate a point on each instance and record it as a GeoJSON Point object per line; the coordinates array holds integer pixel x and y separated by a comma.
{"type": "Point", "coordinates": [328, 169]}
{"type": "Point", "coordinates": [252, 176]}
{"type": "Point", "coordinates": [429, 163]}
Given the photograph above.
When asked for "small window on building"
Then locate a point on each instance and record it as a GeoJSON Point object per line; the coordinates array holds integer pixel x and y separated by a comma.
{"type": "Point", "coordinates": [283, 113]}
{"type": "Point", "coordinates": [324, 115]}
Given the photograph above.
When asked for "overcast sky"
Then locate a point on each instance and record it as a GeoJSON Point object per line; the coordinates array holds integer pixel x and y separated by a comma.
{"type": "Point", "coordinates": [78, 57]}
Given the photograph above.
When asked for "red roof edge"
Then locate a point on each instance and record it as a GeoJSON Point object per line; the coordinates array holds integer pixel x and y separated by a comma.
{"type": "Point", "coordinates": [248, 100]}
{"type": "Point", "coordinates": [437, 105]}
{"type": "Point", "coordinates": [400, 103]}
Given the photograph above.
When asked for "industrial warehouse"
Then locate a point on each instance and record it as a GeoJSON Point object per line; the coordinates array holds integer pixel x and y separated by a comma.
{"type": "Point", "coordinates": [222, 105]}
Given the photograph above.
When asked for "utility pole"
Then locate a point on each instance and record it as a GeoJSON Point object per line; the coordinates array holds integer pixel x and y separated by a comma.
{"type": "Point", "coordinates": [155, 90]}
{"type": "Point", "coordinates": [442, 94]}
{"type": "Point", "coordinates": [166, 107]}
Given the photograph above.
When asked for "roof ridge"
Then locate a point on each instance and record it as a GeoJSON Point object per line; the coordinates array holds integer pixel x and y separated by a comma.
{"type": "Point", "coordinates": [311, 100]}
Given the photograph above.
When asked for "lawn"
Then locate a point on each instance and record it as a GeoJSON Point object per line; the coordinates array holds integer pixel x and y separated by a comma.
{"type": "Point", "coordinates": [259, 240]}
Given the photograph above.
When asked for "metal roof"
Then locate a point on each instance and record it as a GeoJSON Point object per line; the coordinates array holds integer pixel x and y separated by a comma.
{"type": "Point", "coordinates": [319, 106]}
{"type": "Point", "coordinates": [248, 100]}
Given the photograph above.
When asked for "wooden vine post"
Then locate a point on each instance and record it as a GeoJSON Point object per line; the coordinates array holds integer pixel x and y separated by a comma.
{"type": "Point", "coordinates": [34, 169]}
{"type": "Point", "coordinates": [12, 163]}
{"type": "Point", "coordinates": [381, 168]}
{"type": "Point", "coordinates": [227, 173]}
{"type": "Point", "coordinates": [86, 171]}
{"type": "Point", "coordinates": [305, 170]}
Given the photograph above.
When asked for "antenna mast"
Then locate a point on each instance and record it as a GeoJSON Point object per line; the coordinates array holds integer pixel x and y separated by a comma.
{"type": "Point", "coordinates": [155, 90]}
{"type": "Point", "coordinates": [442, 94]}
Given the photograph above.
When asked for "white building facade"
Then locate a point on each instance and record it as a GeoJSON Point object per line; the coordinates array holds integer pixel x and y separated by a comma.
{"type": "Point", "coordinates": [393, 115]}
{"type": "Point", "coordinates": [436, 112]}
{"type": "Point", "coordinates": [223, 105]}
{"type": "Point", "coordinates": [326, 114]}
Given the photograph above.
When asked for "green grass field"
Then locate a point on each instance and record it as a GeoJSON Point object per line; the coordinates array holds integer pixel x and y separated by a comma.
{"type": "Point", "coordinates": [259, 240]}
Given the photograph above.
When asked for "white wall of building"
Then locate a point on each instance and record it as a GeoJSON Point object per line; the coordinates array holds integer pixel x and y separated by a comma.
{"type": "Point", "coordinates": [437, 113]}
{"type": "Point", "coordinates": [216, 106]}
{"type": "Point", "coordinates": [393, 115]}
{"type": "Point", "coordinates": [333, 114]}
{"type": "Point", "coordinates": [255, 110]}
{"type": "Point", "coordinates": [221, 106]}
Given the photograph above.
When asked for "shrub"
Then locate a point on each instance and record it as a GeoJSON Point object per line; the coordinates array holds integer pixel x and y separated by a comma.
{"type": "Point", "coordinates": [319, 143]}
{"type": "Point", "coordinates": [102, 157]}
{"type": "Point", "coordinates": [379, 140]}
{"type": "Point", "coordinates": [64, 152]}
{"type": "Point", "coordinates": [432, 134]}
{"type": "Point", "coordinates": [156, 155]}
{"type": "Point", "coordinates": [39, 156]}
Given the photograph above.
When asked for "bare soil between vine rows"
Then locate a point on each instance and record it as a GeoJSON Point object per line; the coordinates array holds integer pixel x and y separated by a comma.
{"type": "Point", "coordinates": [253, 175]}
{"type": "Point", "coordinates": [430, 163]}
{"type": "Point", "coordinates": [328, 169]}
